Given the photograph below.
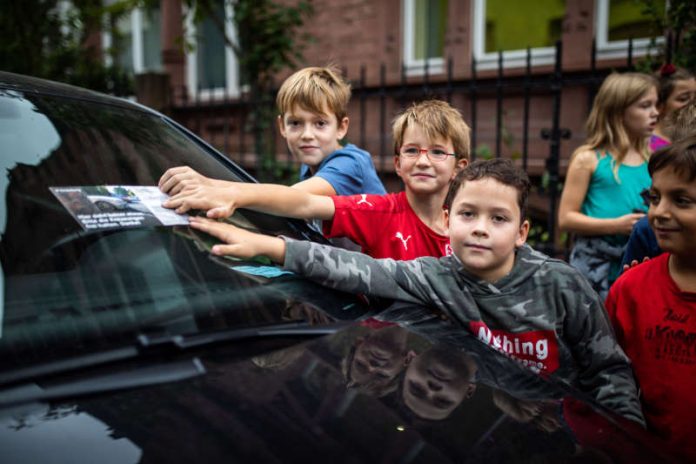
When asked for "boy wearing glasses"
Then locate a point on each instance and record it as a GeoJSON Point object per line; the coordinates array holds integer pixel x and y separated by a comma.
{"type": "Point", "coordinates": [431, 142]}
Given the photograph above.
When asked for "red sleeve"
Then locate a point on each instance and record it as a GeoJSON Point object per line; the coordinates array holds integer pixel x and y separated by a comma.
{"type": "Point", "coordinates": [610, 303]}
{"type": "Point", "coordinates": [355, 218]}
{"type": "Point", "coordinates": [615, 304]}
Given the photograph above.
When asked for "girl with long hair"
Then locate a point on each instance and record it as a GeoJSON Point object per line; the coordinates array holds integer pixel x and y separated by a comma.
{"type": "Point", "coordinates": [601, 197]}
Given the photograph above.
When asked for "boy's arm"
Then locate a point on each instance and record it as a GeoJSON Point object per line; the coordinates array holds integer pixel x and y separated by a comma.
{"type": "Point", "coordinates": [345, 172]}
{"type": "Point", "coordinates": [221, 200]}
{"type": "Point", "coordinates": [329, 266]}
{"type": "Point", "coordinates": [605, 370]}
{"type": "Point", "coordinates": [316, 185]}
{"type": "Point", "coordinates": [359, 273]}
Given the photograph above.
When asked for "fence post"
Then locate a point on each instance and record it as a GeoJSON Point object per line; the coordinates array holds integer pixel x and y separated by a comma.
{"type": "Point", "coordinates": [499, 105]}
{"type": "Point", "coordinates": [272, 92]}
{"type": "Point", "coordinates": [382, 114]}
{"type": "Point", "coordinates": [525, 117]}
{"type": "Point", "coordinates": [472, 97]}
{"type": "Point", "coordinates": [592, 90]}
{"type": "Point", "coordinates": [226, 121]}
{"type": "Point", "coordinates": [362, 107]}
{"type": "Point", "coordinates": [554, 137]}
{"type": "Point", "coordinates": [198, 113]}
{"type": "Point", "coordinates": [242, 122]}
{"type": "Point", "coordinates": [402, 94]}
{"type": "Point", "coordinates": [449, 79]}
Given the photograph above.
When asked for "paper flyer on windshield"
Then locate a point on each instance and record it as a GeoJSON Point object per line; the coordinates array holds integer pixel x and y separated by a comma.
{"type": "Point", "coordinates": [117, 206]}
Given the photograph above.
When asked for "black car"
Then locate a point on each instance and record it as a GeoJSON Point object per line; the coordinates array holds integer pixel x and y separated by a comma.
{"type": "Point", "coordinates": [135, 344]}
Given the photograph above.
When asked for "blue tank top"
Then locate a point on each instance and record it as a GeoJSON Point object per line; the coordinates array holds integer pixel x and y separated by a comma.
{"type": "Point", "coordinates": [606, 198]}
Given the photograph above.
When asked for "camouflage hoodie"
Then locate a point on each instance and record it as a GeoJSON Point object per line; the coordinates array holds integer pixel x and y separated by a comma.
{"type": "Point", "coordinates": [543, 313]}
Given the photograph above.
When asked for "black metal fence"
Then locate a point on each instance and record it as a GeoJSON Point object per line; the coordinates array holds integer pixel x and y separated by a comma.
{"type": "Point", "coordinates": [228, 124]}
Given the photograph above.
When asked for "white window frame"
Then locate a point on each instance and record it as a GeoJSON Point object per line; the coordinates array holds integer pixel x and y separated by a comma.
{"type": "Point", "coordinates": [136, 21]}
{"type": "Point", "coordinates": [511, 58]}
{"type": "Point", "coordinates": [64, 7]}
{"type": "Point", "coordinates": [416, 67]}
{"type": "Point", "coordinates": [107, 42]}
{"type": "Point", "coordinates": [619, 48]}
{"type": "Point", "coordinates": [231, 65]}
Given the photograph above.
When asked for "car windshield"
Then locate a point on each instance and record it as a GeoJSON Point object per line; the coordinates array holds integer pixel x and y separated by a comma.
{"type": "Point", "coordinates": [72, 291]}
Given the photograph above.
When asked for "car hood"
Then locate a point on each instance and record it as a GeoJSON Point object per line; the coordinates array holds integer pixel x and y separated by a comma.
{"type": "Point", "coordinates": [316, 401]}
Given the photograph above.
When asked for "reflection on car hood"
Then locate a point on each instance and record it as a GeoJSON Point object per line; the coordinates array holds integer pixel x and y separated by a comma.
{"type": "Point", "coordinates": [360, 395]}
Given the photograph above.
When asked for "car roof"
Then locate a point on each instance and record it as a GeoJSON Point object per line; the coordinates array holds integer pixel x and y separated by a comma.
{"type": "Point", "coordinates": [35, 85]}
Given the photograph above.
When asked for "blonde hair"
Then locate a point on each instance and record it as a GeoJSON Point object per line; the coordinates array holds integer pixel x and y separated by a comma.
{"type": "Point", "coordinates": [314, 89]}
{"type": "Point", "coordinates": [436, 118]}
{"type": "Point", "coordinates": [605, 125]}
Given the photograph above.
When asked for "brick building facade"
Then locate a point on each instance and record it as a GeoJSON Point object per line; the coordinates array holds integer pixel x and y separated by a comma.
{"type": "Point", "coordinates": [379, 45]}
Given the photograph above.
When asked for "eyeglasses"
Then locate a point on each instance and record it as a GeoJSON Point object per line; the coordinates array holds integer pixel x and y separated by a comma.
{"type": "Point", "coordinates": [433, 154]}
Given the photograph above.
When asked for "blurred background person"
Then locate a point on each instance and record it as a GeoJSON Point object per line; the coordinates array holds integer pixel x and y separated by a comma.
{"type": "Point", "coordinates": [601, 198]}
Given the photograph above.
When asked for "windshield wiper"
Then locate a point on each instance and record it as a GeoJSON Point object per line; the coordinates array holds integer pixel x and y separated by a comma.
{"type": "Point", "coordinates": [150, 344]}
{"type": "Point", "coordinates": [132, 378]}
{"type": "Point", "coordinates": [290, 329]}
{"type": "Point", "coordinates": [66, 365]}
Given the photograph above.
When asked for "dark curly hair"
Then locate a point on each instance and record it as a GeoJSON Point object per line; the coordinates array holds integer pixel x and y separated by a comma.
{"type": "Point", "coordinates": [680, 156]}
{"type": "Point", "coordinates": [502, 170]}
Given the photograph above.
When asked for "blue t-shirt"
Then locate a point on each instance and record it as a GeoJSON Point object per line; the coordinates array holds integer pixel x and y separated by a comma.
{"type": "Point", "coordinates": [349, 170]}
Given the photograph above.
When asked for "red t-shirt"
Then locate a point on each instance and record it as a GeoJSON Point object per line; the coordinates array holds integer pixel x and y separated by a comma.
{"type": "Point", "coordinates": [655, 323]}
{"type": "Point", "coordinates": [385, 226]}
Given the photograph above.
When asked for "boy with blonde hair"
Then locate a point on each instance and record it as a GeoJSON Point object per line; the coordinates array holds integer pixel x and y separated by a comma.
{"type": "Point", "coordinates": [431, 143]}
{"type": "Point", "coordinates": [312, 105]}
{"type": "Point", "coordinates": [535, 309]}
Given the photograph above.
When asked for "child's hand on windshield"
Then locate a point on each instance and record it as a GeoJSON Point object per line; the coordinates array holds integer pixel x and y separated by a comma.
{"type": "Point", "coordinates": [219, 202]}
{"type": "Point", "coordinates": [176, 179]}
{"type": "Point", "coordinates": [240, 243]}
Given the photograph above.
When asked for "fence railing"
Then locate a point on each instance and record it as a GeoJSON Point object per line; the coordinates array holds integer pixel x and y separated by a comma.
{"type": "Point", "coordinates": [485, 99]}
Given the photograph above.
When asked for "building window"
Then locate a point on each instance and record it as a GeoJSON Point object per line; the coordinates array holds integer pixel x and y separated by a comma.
{"type": "Point", "coordinates": [150, 31]}
{"type": "Point", "coordinates": [210, 52]}
{"type": "Point", "coordinates": [620, 20]}
{"type": "Point", "coordinates": [212, 66]}
{"type": "Point", "coordinates": [511, 27]}
{"type": "Point", "coordinates": [136, 41]}
{"type": "Point", "coordinates": [424, 24]}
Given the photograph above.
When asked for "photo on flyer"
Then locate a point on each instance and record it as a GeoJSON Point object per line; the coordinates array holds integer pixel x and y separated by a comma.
{"type": "Point", "coordinates": [117, 206]}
